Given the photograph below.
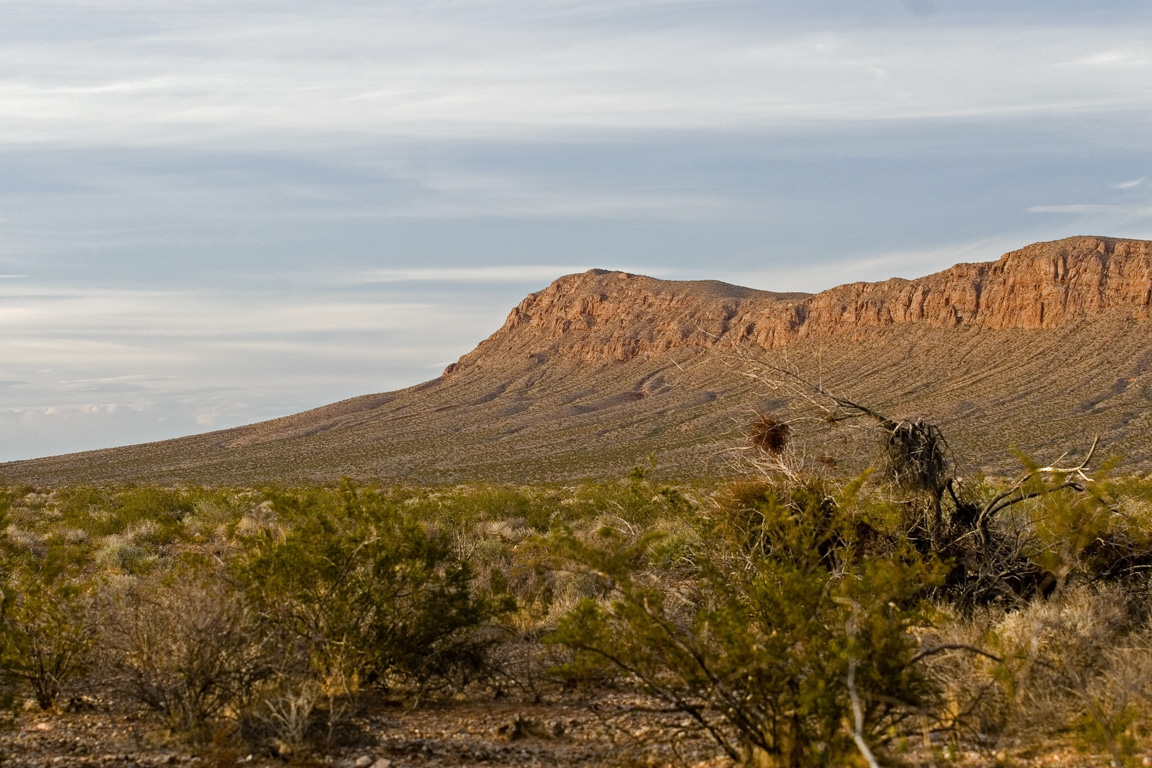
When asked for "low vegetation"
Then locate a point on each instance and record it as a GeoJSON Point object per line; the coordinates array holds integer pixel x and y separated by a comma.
{"type": "Point", "coordinates": [793, 620]}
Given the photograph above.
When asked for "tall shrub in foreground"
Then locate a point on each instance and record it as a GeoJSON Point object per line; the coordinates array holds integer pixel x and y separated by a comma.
{"type": "Point", "coordinates": [45, 637]}
{"type": "Point", "coordinates": [790, 646]}
{"type": "Point", "coordinates": [45, 631]}
{"type": "Point", "coordinates": [187, 647]}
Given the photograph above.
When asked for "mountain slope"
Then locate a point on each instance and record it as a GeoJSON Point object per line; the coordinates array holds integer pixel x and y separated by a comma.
{"type": "Point", "coordinates": [1041, 349]}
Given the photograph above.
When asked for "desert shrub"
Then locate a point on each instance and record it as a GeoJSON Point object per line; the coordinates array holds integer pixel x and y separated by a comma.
{"type": "Point", "coordinates": [46, 633]}
{"type": "Point", "coordinates": [972, 705]}
{"type": "Point", "coordinates": [285, 715]}
{"type": "Point", "coordinates": [1008, 542]}
{"type": "Point", "coordinates": [153, 516]}
{"type": "Point", "coordinates": [28, 541]}
{"type": "Point", "coordinates": [529, 572]}
{"type": "Point", "coordinates": [260, 520]}
{"type": "Point", "coordinates": [642, 502]}
{"type": "Point", "coordinates": [467, 506]}
{"type": "Point", "coordinates": [782, 629]}
{"type": "Point", "coordinates": [747, 606]}
{"type": "Point", "coordinates": [119, 552]}
{"type": "Point", "coordinates": [679, 545]}
{"type": "Point", "coordinates": [187, 647]}
{"type": "Point", "coordinates": [528, 563]}
{"type": "Point", "coordinates": [373, 594]}
{"type": "Point", "coordinates": [1056, 663]}
{"type": "Point", "coordinates": [1101, 534]}
{"type": "Point", "coordinates": [7, 557]}
{"type": "Point", "coordinates": [1117, 710]}
{"type": "Point", "coordinates": [212, 518]}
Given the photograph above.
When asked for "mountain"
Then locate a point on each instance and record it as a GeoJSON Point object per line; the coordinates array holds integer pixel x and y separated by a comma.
{"type": "Point", "coordinates": [1039, 350]}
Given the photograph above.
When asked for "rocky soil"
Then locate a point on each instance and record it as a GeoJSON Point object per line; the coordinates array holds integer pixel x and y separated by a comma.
{"type": "Point", "coordinates": [605, 729]}
{"type": "Point", "coordinates": [608, 728]}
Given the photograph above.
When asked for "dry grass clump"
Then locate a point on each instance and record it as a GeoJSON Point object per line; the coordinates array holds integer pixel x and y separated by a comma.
{"type": "Point", "coordinates": [209, 519]}
{"type": "Point", "coordinates": [120, 552]}
{"type": "Point", "coordinates": [1075, 664]}
{"type": "Point", "coordinates": [25, 540]}
{"type": "Point", "coordinates": [1055, 651]}
{"type": "Point", "coordinates": [261, 518]}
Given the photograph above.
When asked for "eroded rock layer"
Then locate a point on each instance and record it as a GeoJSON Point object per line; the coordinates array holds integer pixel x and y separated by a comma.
{"type": "Point", "coordinates": [601, 316]}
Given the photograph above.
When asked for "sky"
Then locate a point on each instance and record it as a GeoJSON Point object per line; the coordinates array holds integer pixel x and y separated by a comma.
{"type": "Point", "coordinates": [214, 213]}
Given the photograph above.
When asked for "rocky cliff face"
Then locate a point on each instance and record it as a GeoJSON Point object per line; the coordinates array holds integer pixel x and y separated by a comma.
{"type": "Point", "coordinates": [601, 316]}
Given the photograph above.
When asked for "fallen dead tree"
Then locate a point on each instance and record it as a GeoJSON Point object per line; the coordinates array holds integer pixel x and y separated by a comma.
{"type": "Point", "coordinates": [959, 521]}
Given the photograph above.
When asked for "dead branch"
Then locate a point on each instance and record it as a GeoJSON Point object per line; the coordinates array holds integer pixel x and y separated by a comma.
{"type": "Point", "coordinates": [952, 647]}
{"type": "Point", "coordinates": [836, 408]}
{"type": "Point", "coordinates": [1016, 493]}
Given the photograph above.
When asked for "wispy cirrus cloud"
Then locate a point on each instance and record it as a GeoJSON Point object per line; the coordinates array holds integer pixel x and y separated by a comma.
{"type": "Point", "coordinates": [503, 275]}
{"type": "Point", "coordinates": [1132, 211]}
{"type": "Point", "coordinates": [255, 72]}
{"type": "Point", "coordinates": [84, 366]}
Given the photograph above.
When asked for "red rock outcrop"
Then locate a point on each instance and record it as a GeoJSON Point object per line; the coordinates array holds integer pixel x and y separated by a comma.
{"type": "Point", "coordinates": [601, 316]}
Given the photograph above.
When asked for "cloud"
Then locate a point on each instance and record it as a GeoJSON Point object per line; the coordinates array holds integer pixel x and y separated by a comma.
{"type": "Point", "coordinates": [1129, 184]}
{"type": "Point", "coordinates": [528, 201]}
{"type": "Point", "coordinates": [503, 275]}
{"type": "Point", "coordinates": [88, 366]}
{"type": "Point", "coordinates": [1128, 57]}
{"type": "Point", "coordinates": [254, 73]}
{"type": "Point", "coordinates": [143, 314]}
{"type": "Point", "coordinates": [488, 274]}
{"type": "Point", "coordinates": [1131, 211]}
{"type": "Point", "coordinates": [862, 265]}
{"type": "Point", "coordinates": [53, 429]}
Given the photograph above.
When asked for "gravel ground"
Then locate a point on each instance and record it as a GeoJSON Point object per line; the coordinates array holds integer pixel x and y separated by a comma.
{"type": "Point", "coordinates": [610, 729]}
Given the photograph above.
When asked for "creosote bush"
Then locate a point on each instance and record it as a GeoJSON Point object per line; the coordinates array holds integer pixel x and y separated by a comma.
{"type": "Point", "coordinates": [370, 592]}
{"type": "Point", "coordinates": [789, 622]}
{"type": "Point", "coordinates": [47, 635]}
{"type": "Point", "coordinates": [187, 647]}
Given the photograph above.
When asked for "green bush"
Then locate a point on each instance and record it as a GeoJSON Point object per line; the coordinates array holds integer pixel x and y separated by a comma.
{"type": "Point", "coordinates": [46, 634]}
{"type": "Point", "coordinates": [756, 609]}
{"type": "Point", "coordinates": [107, 511]}
{"type": "Point", "coordinates": [45, 629]}
{"type": "Point", "coordinates": [759, 648]}
{"type": "Point", "coordinates": [372, 594]}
